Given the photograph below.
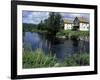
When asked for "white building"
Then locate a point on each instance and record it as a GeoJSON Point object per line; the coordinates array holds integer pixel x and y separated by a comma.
{"type": "Point", "coordinates": [84, 27]}
{"type": "Point", "coordinates": [68, 24]}
{"type": "Point", "coordinates": [79, 23]}
{"type": "Point", "coordinates": [82, 23]}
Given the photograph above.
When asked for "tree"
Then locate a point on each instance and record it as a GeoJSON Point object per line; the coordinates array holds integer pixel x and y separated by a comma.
{"type": "Point", "coordinates": [40, 25]}
{"type": "Point", "coordinates": [55, 22]}
{"type": "Point", "coordinates": [28, 27]}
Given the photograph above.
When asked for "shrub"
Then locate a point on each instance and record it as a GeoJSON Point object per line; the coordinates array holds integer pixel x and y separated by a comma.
{"type": "Point", "coordinates": [84, 33]}
{"type": "Point", "coordinates": [38, 59]}
{"type": "Point", "coordinates": [81, 59]}
{"type": "Point", "coordinates": [73, 34]}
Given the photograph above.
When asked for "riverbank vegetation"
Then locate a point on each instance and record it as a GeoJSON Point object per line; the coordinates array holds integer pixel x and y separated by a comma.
{"type": "Point", "coordinates": [53, 27]}
{"type": "Point", "coordinates": [38, 59]}
{"type": "Point", "coordinates": [72, 34]}
{"type": "Point", "coordinates": [53, 24]}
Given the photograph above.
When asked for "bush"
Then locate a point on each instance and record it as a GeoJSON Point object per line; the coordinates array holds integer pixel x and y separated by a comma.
{"type": "Point", "coordinates": [38, 59]}
{"type": "Point", "coordinates": [81, 59]}
{"type": "Point", "coordinates": [73, 34]}
{"type": "Point", "coordinates": [60, 34]}
{"type": "Point", "coordinates": [84, 33]}
{"type": "Point", "coordinates": [63, 33]}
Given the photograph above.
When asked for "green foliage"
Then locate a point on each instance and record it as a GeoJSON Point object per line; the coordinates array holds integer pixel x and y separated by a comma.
{"type": "Point", "coordinates": [42, 26]}
{"type": "Point", "coordinates": [63, 33]}
{"type": "Point", "coordinates": [39, 31]}
{"type": "Point", "coordinates": [29, 27]}
{"type": "Point", "coordinates": [27, 47]}
{"type": "Point", "coordinates": [38, 59]}
{"type": "Point", "coordinates": [80, 59]}
{"type": "Point", "coordinates": [73, 34]}
{"type": "Point", "coordinates": [55, 23]}
{"type": "Point", "coordinates": [60, 34]}
{"type": "Point", "coordinates": [84, 33]}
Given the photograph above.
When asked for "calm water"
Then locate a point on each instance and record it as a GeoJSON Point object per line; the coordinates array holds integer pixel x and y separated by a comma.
{"type": "Point", "coordinates": [61, 48]}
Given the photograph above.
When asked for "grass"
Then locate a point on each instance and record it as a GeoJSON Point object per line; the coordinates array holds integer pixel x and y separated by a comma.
{"type": "Point", "coordinates": [38, 59]}
{"type": "Point", "coordinates": [73, 34]}
{"type": "Point", "coordinates": [40, 31]}
{"type": "Point", "coordinates": [81, 59]}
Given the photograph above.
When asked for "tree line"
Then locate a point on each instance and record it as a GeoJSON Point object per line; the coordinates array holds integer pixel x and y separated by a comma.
{"type": "Point", "coordinates": [53, 24]}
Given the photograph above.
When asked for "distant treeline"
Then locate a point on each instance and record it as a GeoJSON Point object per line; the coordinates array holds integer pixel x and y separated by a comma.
{"type": "Point", "coordinates": [29, 27]}
{"type": "Point", "coordinates": [53, 24]}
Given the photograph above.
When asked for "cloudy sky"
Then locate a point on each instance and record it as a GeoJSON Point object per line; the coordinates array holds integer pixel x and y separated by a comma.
{"type": "Point", "coordinates": [35, 17]}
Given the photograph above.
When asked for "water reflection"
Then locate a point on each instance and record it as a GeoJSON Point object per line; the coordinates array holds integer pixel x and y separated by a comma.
{"type": "Point", "coordinates": [61, 48]}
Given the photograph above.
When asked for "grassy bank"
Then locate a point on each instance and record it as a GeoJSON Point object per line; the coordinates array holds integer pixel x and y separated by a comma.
{"type": "Point", "coordinates": [71, 34]}
{"type": "Point", "coordinates": [38, 59]}
{"type": "Point", "coordinates": [40, 31]}
{"type": "Point", "coordinates": [81, 59]}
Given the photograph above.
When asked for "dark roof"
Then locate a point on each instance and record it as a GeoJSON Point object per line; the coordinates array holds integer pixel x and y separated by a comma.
{"type": "Point", "coordinates": [83, 19]}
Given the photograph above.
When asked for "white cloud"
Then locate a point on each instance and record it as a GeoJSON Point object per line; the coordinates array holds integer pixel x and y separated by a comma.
{"type": "Point", "coordinates": [36, 16]}
{"type": "Point", "coordinates": [71, 16]}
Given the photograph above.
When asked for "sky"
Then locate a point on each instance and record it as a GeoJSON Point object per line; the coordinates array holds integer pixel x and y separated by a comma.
{"type": "Point", "coordinates": [35, 17]}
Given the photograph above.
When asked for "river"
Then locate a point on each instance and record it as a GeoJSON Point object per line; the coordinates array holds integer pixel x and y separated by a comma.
{"type": "Point", "coordinates": [60, 48]}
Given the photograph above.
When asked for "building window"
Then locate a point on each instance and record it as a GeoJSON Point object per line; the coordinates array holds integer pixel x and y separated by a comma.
{"type": "Point", "coordinates": [87, 27]}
